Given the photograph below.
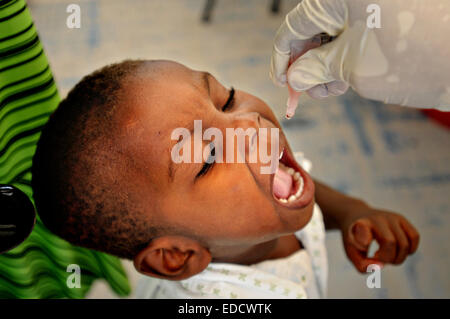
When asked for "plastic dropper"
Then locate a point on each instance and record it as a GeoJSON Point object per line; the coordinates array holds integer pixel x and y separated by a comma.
{"type": "Point", "coordinates": [292, 102]}
{"type": "Point", "coordinates": [297, 50]}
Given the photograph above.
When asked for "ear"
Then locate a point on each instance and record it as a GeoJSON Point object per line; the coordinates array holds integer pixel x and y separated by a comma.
{"type": "Point", "coordinates": [173, 258]}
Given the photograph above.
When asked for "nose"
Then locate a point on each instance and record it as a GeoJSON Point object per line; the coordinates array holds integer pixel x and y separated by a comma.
{"type": "Point", "coordinates": [245, 127]}
{"type": "Point", "coordinates": [246, 120]}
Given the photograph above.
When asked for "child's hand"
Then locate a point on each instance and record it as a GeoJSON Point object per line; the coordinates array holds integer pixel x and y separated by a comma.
{"type": "Point", "coordinates": [396, 237]}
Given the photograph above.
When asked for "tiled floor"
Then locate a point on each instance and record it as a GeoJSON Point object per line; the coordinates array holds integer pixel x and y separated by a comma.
{"type": "Point", "coordinates": [393, 157]}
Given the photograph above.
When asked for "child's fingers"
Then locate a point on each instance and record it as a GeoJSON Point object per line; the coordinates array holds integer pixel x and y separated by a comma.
{"type": "Point", "coordinates": [387, 241]}
{"type": "Point", "coordinates": [359, 259]}
{"type": "Point", "coordinates": [402, 243]}
{"type": "Point", "coordinates": [361, 233]}
{"type": "Point", "coordinates": [412, 233]}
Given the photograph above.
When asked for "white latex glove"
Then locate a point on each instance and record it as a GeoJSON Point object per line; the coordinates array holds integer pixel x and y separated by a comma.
{"type": "Point", "coordinates": [406, 61]}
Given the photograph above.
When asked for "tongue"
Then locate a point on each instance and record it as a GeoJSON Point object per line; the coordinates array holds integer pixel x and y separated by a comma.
{"type": "Point", "coordinates": [282, 184]}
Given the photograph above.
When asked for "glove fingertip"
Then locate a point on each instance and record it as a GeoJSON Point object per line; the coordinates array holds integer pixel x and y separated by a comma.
{"type": "Point", "coordinates": [337, 88]}
{"type": "Point", "coordinates": [279, 81]}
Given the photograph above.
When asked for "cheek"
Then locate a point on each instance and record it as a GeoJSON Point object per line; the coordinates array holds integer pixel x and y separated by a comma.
{"type": "Point", "coordinates": [255, 104]}
{"type": "Point", "coordinates": [250, 209]}
{"type": "Point", "coordinates": [230, 205]}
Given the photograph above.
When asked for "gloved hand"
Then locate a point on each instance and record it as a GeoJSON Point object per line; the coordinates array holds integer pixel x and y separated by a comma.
{"type": "Point", "coordinates": [406, 61]}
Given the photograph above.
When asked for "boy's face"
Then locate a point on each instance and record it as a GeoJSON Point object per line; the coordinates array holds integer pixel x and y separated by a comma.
{"type": "Point", "coordinates": [227, 205]}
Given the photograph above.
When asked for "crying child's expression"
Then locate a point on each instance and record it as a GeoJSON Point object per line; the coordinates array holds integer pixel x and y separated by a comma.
{"type": "Point", "coordinates": [220, 204]}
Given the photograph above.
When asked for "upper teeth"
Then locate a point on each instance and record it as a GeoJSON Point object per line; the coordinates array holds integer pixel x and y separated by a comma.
{"type": "Point", "coordinates": [298, 182]}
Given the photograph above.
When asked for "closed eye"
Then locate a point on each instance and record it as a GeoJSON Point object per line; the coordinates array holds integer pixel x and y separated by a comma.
{"type": "Point", "coordinates": [230, 102]}
{"type": "Point", "coordinates": [209, 162]}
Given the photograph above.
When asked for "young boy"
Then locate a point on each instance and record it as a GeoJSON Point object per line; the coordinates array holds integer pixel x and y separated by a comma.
{"type": "Point", "coordinates": [104, 178]}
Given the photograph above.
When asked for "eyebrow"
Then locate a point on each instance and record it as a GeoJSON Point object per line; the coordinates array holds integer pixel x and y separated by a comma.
{"type": "Point", "coordinates": [173, 168]}
{"type": "Point", "coordinates": [205, 81]}
{"type": "Point", "coordinates": [204, 78]}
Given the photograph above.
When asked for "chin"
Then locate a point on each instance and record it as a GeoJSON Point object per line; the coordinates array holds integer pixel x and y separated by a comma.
{"type": "Point", "coordinates": [294, 220]}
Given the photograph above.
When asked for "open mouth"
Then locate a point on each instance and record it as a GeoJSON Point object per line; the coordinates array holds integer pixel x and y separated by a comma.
{"type": "Point", "coordinates": [292, 187]}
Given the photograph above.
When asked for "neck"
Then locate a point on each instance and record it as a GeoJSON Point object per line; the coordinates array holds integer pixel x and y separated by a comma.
{"type": "Point", "coordinates": [247, 255]}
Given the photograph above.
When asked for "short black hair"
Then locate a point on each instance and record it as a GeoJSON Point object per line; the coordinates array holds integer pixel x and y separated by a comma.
{"type": "Point", "coordinates": [79, 173]}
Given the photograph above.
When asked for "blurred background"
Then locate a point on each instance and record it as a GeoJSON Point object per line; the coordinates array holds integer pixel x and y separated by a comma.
{"type": "Point", "coordinates": [393, 157]}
